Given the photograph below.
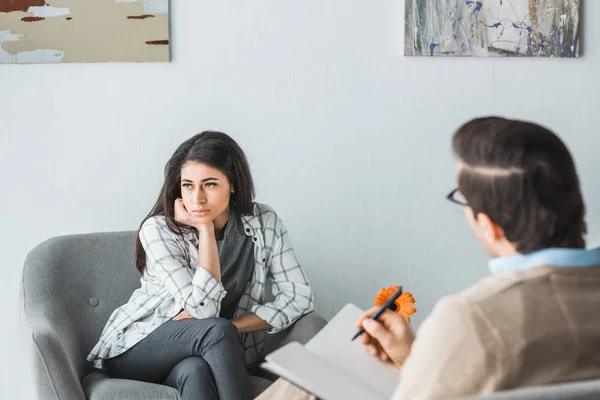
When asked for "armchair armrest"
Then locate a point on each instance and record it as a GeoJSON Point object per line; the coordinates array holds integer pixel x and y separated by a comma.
{"type": "Point", "coordinates": [50, 350]}
{"type": "Point", "coordinates": [302, 331]}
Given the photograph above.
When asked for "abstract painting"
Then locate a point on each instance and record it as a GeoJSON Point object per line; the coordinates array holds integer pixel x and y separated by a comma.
{"type": "Point", "coordinates": [489, 28]}
{"type": "Point", "coordinates": [55, 31]}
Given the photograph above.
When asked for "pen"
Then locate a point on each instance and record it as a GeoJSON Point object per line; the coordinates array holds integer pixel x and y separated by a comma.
{"type": "Point", "coordinates": [389, 302]}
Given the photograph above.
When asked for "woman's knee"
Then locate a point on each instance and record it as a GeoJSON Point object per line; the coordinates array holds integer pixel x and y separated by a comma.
{"type": "Point", "coordinates": [194, 379]}
{"type": "Point", "coordinates": [213, 333]}
{"type": "Point", "coordinates": [195, 368]}
{"type": "Point", "coordinates": [223, 329]}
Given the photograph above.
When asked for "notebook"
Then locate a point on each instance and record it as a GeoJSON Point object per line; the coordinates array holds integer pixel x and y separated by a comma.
{"type": "Point", "coordinates": [331, 366]}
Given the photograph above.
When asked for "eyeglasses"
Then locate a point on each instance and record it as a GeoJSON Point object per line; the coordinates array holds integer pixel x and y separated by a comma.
{"type": "Point", "coordinates": [454, 196]}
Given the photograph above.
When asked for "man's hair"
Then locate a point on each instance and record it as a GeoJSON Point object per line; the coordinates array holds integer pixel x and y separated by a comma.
{"type": "Point", "coordinates": [522, 176]}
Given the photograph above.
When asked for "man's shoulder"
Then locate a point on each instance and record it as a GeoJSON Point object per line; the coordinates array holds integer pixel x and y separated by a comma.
{"type": "Point", "coordinates": [503, 284]}
{"type": "Point", "coordinates": [491, 296]}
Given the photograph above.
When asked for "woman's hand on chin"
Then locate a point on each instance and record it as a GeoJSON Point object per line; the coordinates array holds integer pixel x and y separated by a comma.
{"type": "Point", "coordinates": [182, 216]}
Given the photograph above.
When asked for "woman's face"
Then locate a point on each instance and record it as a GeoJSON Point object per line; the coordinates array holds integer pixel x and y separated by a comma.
{"type": "Point", "coordinates": [205, 192]}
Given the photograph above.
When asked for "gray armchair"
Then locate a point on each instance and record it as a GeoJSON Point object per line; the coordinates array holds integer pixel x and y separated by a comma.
{"type": "Point", "coordinates": [581, 390]}
{"type": "Point", "coordinates": [70, 285]}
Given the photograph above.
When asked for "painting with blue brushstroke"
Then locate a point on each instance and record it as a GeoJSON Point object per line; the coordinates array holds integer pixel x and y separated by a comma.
{"type": "Point", "coordinates": [492, 28]}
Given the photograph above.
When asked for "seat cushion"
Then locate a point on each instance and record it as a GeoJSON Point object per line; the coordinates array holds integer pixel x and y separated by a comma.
{"type": "Point", "coordinates": [98, 386]}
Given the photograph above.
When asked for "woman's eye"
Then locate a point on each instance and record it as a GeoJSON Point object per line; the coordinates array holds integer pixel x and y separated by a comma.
{"type": "Point", "coordinates": [186, 185]}
{"type": "Point", "coordinates": [210, 184]}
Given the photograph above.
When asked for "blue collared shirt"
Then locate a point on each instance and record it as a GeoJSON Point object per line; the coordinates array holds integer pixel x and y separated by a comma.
{"type": "Point", "coordinates": [555, 257]}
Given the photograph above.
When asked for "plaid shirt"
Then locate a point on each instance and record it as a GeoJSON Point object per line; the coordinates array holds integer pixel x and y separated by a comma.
{"type": "Point", "coordinates": [173, 281]}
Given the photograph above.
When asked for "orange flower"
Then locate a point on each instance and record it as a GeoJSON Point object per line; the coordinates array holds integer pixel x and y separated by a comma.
{"type": "Point", "coordinates": [404, 303]}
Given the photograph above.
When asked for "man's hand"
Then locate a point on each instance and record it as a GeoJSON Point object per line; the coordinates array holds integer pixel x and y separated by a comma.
{"type": "Point", "coordinates": [388, 338]}
{"type": "Point", "coordinates": [183, 315]}
{"type": "Point", "coordinates": [184, 217]}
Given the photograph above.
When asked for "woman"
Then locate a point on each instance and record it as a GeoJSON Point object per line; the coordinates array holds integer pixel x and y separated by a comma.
{"type": "Point", "coordinates": [205, 252]}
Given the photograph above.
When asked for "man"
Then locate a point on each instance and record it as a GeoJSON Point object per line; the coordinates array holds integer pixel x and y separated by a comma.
{"type": "Point", "coordinates": [535, 320]}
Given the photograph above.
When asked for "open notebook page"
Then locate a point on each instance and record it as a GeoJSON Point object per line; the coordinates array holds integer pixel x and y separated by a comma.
{"type": "Point", "coordinates": [316, 375]}
{"type": "Point", "coordinates": [333, 344]}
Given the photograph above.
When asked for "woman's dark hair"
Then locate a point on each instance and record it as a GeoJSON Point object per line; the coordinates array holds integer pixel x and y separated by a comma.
{"type": "Point", "coordinates": [522, 176]}
{"type": "Point", "coordinates": [217, 150]}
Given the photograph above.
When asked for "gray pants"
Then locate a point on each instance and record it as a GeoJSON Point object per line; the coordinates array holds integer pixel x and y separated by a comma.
{"type": "Point", "coordinates": [202, 358]}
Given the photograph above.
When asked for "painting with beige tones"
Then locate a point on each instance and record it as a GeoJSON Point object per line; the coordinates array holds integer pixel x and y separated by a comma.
{"type": "Point", "coordinates": [55, 31]}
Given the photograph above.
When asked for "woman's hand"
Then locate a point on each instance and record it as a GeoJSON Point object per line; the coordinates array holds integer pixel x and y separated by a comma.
{"type": "Point", "coordinates": [184, 217]}
{"type": "Point", "coordinates": [183, 315]}
{"type": "Point", "coordinates": [250, 323]}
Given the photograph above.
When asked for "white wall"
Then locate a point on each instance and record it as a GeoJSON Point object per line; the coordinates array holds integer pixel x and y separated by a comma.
{"type": "Point", "coordinates": [348, 140]}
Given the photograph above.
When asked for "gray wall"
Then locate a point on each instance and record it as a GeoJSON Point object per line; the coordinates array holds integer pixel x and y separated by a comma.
{"type": "Point", "coordinates": [348, 140]}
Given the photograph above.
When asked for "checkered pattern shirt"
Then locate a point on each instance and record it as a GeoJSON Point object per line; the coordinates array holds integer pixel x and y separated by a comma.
{"type": "Point", "coordinates": [173, 281]}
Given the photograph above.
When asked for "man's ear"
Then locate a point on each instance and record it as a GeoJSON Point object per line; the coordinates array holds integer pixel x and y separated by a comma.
{"type": "Point", "coordinates": [492, 232]}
